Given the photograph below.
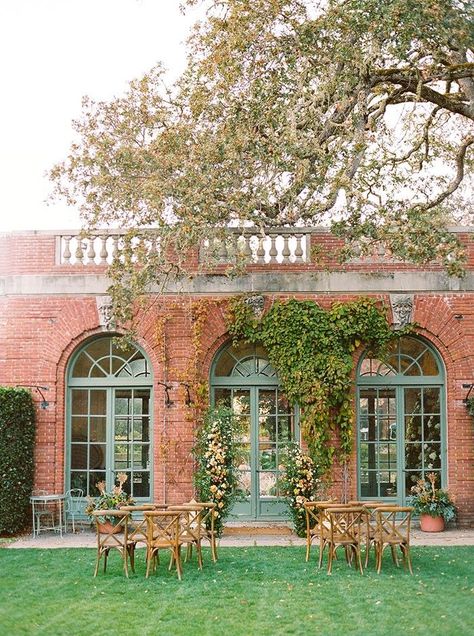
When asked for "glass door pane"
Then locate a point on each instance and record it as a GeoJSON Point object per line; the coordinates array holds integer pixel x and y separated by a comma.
{"type": "Point", "coordinates": [378, 434]}
{"type": "Point", "coordinates": [422, 448]}
{"type": "Point", "coordinates": [87, 458]}
{"type": "Point", "coordinates": [131, 439]}
{"type": "Point", "coordinates": [239, 400]}
{"type": "Point", "coordinates": [275, 431]}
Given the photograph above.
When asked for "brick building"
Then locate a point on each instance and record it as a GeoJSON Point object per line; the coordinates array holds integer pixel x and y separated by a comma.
{"type": "Point", "coordinates": [103, 409]}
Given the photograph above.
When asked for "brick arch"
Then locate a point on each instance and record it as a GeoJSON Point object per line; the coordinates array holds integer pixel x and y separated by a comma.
{"type": "Point", "coordinates": [75, 343]}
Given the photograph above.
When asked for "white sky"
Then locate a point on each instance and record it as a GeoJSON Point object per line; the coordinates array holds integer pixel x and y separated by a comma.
{"type": "Point", "coordinates": [52, 53]}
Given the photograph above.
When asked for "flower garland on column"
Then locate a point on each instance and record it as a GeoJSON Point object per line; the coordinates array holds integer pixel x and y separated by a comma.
{"type": "Point", "coordinates": [215, 478]}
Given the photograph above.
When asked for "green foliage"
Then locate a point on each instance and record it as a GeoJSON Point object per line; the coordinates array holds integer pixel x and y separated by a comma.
{"type": "Point", "coordinates": [429, 500]}
{"type": "Point", "coordinates": [17, 438]}
{"type": "Point", "coordinates": [354, 113]}
{"type": "Point", "coordinates": [312, 350]}
{"type": "Point", "coordinates": [215, 452]}
{"type": "Point", "coordinates": [470, 406]}
{"type": "Point", "coordinates": [299, 484]}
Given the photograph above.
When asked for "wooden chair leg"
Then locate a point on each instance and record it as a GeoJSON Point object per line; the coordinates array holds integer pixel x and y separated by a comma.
{"type": "Point", "coordinates": [330, 557]}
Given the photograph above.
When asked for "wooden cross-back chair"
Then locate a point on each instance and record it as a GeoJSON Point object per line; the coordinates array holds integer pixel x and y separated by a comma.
{"type": "Point", "coordinates": [197, 524]}
{"type": "Point", "coordinates": [163, 533]}
{"type": "Point", "coordinates": [137, 526]}
{"type": "Point", "coordinates": [208, 530]}
{"type": "Point", "coordinates": [113, 535]}
{"type": "Point", "coordinates": [393, 529]}
{"type": "Point", "coordinates": [347, 529]}
{"type": "Point", "coordinates": [370, 506]}
{"type": "Point", "coordinates": [313, 531]}
{"type": "Point", "coordinates": [190, 531]}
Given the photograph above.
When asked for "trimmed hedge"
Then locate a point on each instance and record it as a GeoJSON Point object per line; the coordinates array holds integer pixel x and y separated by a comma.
{"type": "Point", "coordinates": [17, 439]}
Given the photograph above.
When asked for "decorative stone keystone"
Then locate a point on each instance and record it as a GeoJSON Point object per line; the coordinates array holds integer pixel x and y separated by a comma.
{"type": "Point", "coordinates": [402, 309]}
{"type": "Point", "coordinates": [104, 310]}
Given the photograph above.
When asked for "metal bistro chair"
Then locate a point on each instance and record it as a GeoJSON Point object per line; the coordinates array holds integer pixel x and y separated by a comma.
{"type": "Point", "coordinates": [44, 512]}
{"type": "Point", "coordinates": [163, 533]}
{"type": "Point", "coordinates": [393, 529]}
{"type": "Point", "coordinates": [73, 506]}
{"type": "Point", "coordinates": [114, 536]}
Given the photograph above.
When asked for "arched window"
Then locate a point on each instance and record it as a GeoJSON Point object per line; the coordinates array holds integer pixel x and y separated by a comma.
{"type": "Point", "coordinates": [243, 379]}
{"type": "Point", "coordinates": [400, 420]}
{"type": "Point", "coordinates": [109, 417]}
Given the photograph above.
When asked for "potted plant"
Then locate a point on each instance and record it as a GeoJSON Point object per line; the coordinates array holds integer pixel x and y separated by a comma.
{"type": "Point", "coordinates": [109, 501]}
{"type": "Point", "coordinates": [434, 505]}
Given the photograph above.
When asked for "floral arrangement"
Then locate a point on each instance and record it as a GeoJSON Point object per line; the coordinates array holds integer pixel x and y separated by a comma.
{"type": "Point", "coordinates": [470, 406]}
{"type": "Point", "coordinates": [109, 500]}
{"type": "Point", "coordinates": [426, 499]}
{"type": "Point", "coordinates": [215, 478]}
{"type": "Point", "coordinates": [299, 484]}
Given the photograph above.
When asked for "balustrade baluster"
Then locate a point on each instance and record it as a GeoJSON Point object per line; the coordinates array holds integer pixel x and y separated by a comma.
{"type": "Point", "coordinates": [286, 252]}
{"type": "Point", "coordinates": [79, 252]}
{"type": "Point", "coordinates": [103, 250]}
{"type": "Point", "coordinates": [299, 248]}
{"type": "Point", "coordinates": [67, 252]}
{"type": "Point", "coordinates": [273, 253]}
{"type": "Point", "coordinates": [91, 249]}
{"type": "Point", "coordinates": [261, 250]}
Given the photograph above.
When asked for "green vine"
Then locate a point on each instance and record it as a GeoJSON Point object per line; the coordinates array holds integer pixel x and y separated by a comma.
{"type": "Point", "coordinates": [470, 406]}
{"type": "Point", "coordinates": [312, 350]}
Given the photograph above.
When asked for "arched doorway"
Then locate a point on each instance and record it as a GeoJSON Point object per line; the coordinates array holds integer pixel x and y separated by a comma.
{"type": "Point", "coordinates": [400, 420]}
{"type": "Point", "coordinates": [109, 413]}
{"type": "Point", "coordinates": [243, 379]}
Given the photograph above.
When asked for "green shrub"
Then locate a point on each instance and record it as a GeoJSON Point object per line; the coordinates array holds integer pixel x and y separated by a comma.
{"type": "Point", "coordinates": [17, 438]}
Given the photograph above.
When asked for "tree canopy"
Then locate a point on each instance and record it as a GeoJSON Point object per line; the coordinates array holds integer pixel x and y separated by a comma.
{"type": "Point", "coordinates": [356, 114]}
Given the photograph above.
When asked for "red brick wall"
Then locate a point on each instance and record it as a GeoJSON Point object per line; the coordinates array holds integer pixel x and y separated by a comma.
{"type": "Point", "coordinates": [38, 335]}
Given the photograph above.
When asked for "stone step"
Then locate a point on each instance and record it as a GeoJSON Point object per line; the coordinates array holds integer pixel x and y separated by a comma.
{"type": "Point", "coordinates": [249, 528]}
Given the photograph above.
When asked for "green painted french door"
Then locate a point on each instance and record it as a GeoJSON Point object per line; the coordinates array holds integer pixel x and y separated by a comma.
{"type": "Point", "coordinates": [266, 425]}
{"type": "Point", "coordinates": [400, 439]}
{"type": "Point", "coordinates": [110, 433]}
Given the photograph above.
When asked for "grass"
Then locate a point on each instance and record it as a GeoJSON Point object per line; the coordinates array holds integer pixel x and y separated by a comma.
{"type": "Point", "coordinates": [249, 591]}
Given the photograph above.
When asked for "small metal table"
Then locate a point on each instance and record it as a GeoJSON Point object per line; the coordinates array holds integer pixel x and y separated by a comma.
{"type": "Point", "coordinates": [48, 504]}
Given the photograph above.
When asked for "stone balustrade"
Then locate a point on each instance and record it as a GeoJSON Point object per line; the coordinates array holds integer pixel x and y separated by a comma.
{"type": "Point", "coordinates": [283, 246]}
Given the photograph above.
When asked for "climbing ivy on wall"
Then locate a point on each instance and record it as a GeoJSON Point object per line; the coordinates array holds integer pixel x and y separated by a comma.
{"type": "Point", "coordinates": [312, 350]}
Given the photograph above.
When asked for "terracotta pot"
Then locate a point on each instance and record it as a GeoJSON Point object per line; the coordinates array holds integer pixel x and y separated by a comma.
{"type": "Point", "coordinates": [107, 527]}
{"type": "Point", "coordinates": [431, 524]}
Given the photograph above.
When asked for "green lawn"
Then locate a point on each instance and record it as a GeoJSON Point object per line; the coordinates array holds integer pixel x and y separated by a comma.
{"type": "Point", "coordinates": [253, 591]}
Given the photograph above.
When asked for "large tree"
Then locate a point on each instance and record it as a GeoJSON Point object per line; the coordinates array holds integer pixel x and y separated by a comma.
{"type": "Point", "coordinates": [358, 114]}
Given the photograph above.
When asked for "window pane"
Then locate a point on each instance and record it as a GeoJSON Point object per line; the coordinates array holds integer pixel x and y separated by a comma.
{"type": "Point", "coordinates": [95, 478]}
{"type": "Point", "coordinates": [413, 456]}
{"type": "Point", "coordinates": [122, 456]}
{"type": "Point", "coordinates": [79, 429]}
{"type": "Point", "coordinates": [268, 458]}
{"type": "Point", "coordinates": [432, 456]}
{"type": "Point", "coordinates": [432, 428]}
{"type": "Point", "coordinates": [141, 456]}
{"type": "Point", "coordinates": [141, 484]}
{"type": "Point", "coordinates": [98, 402]}
{"type": "Point", "coordinates": [268, 484]}
{"type": "Point", "coordinates": [266, 402]}
{"type": "Point", "coordinates": [413, 428]}
{"type": "Point", "coordinates": [79, 403]}
{"type": "Point", "coordinates": [141, 429]}
{"type": "Point", "coordinates": [267, 428]}
{"type": "Point", "coordinates": [97, 456]}
{"type": "Point", "coordinates": [79, 480]}
{"type": "Point", "coordinates": [78, 456]}
{"type": "Point", "coordinates": [223, 396]}
{"type": "Point", "coordinates": [98, 429]}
